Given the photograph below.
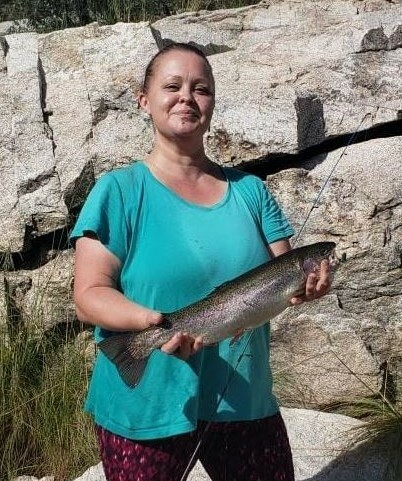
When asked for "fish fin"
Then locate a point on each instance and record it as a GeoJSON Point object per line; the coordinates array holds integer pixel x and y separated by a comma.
{"type": "Point", "coordinates": [237, 336]}
{"type": "Point", "coordinates": [116, 348]}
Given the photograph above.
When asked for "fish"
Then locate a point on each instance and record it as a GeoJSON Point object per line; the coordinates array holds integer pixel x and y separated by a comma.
{"type": "Point", "coordinates": [246, 302]}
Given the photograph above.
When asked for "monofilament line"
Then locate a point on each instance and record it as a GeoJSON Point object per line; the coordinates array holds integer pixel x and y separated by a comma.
{"type": "Point", "coordinates": [294, 244]}
{"type": "Point", "coordinates": [208, 425]}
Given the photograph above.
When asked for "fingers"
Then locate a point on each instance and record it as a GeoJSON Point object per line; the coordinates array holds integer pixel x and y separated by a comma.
{"type": "Point", "coordinates": [182, 345]}
{"type": "Point", "coordinates": [198, 344]}
{"type": "Point", "coordinates": [317, 285]}
{"type": "Point", "coordinates": [324, 281]}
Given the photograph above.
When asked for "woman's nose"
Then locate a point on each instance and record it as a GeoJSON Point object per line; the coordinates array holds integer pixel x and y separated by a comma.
{"type": "Point", "coordinates": [186, 95]}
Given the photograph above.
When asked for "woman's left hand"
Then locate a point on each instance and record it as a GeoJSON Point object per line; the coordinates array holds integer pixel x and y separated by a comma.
{"type": "Point", "coordinates": [317, 285]}
{"type": "Point", "coordinates": [182, 345]}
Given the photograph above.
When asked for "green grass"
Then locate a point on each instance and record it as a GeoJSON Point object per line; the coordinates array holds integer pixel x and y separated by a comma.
{"type": "Point", "coordinates": [382, 428]}
{"type": "Point", "coordinates": [49, 15]}
{"type": "Point", "coordinates": [43, 380]}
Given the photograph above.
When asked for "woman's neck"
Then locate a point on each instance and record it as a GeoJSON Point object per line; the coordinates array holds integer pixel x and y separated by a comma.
{"type": "Point", "coordinates": [177, 161]}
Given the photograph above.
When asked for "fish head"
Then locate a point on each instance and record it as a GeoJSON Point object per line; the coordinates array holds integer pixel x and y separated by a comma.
{"type": "Point", "coordinates": [312, 255]}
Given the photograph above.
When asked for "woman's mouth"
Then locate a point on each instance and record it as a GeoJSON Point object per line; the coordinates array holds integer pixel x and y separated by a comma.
{"type": "Point", "coordinates": [187, 113]}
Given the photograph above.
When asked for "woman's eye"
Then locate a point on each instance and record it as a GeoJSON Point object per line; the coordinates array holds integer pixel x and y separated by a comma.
{"type": "Point", "coordinates": [172, 87]}
{"type": "Point", "coordinates": [202, 90]}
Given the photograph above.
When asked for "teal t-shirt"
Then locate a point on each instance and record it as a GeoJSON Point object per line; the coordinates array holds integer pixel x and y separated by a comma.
{"type": "Point", "coordinates": [173, 253]}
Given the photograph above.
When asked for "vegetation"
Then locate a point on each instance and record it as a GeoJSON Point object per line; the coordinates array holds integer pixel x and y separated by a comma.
{"type": "Point", "coordinates": [381, 413]}
{"type": "Point", "coordinates": [382, 416]}
{"type": "Point", "coordinates": [43, 380]}
{"type": "Point", "coordinates": [382, 429]}
{"type": "Point", "coordinates": [48, 15]}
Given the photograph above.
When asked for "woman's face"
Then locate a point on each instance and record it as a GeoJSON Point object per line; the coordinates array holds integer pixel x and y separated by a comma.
{"type": "Point", "coordinates": [180, 97]}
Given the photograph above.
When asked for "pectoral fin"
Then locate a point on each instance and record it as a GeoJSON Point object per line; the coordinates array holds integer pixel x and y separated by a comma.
{"type": "Point", "coordinates": [116, 348]}
{"type": "Point", "coordinates": [237, 336]}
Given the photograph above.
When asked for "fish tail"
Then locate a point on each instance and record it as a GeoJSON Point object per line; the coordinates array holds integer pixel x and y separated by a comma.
{"type": "Point", "coordinates": [116, 348]}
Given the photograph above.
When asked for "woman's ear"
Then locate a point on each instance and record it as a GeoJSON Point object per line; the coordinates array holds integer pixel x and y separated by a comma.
{"type": "Point", "coordinates": [142, 100]}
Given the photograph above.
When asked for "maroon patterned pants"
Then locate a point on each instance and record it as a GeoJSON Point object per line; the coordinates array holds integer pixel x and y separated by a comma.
{"type": "Point", "coordinates": [236, 451]}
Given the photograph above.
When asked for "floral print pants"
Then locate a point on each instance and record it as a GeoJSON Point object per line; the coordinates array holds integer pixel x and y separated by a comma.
{"type": "Point", "coordinates": [230, 451]}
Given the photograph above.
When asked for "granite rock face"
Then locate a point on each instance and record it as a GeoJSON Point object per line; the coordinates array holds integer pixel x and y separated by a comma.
{"type": "Point", "coordinates": [289, 75]}
{"type": "Point", "coordinates": [294, 81]}
{"type": "Point", "coordinates": [351, 338]}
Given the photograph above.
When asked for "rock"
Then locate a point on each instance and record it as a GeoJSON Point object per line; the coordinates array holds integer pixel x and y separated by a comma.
{"type": "Point", "coordinates": [323, 450]}
{"type": "Point", "coordinates": [43, 297]}
{"type": "Point", "coordinates": [360, 209]}
{"type": "Point", "coordinates": [6, 27]}
{"type": "Point", "coordinates": [95, 473]}
{"type": "Point", "coordinates": [92, 82]}
{"type": "Point", "coordinates": [289, 75]}
{"type": "Point", "coordinates": [15, 26]}
{"type": "Point", "coordinates": [321, 359]}
{"type": "Point", "coordinates": [31, 201]}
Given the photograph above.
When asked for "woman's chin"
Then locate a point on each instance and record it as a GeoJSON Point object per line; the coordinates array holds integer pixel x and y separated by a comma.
{"type": "Point", "coordinates": [188, 130]}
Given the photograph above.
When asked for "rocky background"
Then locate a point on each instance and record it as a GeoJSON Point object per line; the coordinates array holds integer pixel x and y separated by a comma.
{"type": "Point", "coordinates": [308, 93]}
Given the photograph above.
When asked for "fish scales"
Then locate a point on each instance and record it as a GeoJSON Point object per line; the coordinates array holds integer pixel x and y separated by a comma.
{"type": "Point", "coordinates": [246, 302]}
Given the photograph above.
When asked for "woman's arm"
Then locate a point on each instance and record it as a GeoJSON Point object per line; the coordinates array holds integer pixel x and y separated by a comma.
{"type": "Point", "coordinates": [317, 285]}
{"type": "Point", "coordinates": [97, 300]}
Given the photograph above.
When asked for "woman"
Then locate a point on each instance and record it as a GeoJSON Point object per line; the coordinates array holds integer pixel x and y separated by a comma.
{"type": "Point", "coordinates": [157, 236]}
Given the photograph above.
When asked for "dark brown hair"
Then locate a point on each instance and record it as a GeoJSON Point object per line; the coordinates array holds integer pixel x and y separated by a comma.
{"type": "Point", "coordinates": [184, 47]}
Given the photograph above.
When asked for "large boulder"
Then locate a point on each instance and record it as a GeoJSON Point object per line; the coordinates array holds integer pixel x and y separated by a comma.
{"type": "Point", "coordinates": [347, 344]}
{"type": "Point", "coordinates": [42, 297]}
{"type": "Point", "coordinates": [289, 75]}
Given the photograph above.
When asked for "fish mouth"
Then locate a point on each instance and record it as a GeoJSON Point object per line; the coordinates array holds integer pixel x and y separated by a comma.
{"type": "Point", "coordinates": [335, 259]}
{"type": "Point", "coordinates": [313, 264]}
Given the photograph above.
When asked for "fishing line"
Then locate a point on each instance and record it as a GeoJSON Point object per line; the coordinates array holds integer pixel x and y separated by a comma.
{"type": "Point", "coordinates": [226, 387]}
{"type": "Point", "coordinates": [221, 397]}
{"type": "Point", "coordinates": [323, 187]}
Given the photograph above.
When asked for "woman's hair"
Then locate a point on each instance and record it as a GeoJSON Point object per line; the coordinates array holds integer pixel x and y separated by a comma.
{"type": "Point", "coordinates": [184, 47]}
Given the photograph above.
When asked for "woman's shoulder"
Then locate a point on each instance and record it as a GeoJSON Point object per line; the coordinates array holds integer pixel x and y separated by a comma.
{"type": "Point", "coordinates": [128, 173]}
{"type": "Point", "coordinates": [242, 179]}
{"type": "Point", "coordinates": [126, 180]}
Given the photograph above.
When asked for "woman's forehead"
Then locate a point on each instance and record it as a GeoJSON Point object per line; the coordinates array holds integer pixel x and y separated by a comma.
{"type": "Point", "coordinates": [177, 63]}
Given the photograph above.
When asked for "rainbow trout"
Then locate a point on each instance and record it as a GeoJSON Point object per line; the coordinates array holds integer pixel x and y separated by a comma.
{"type": "Point", "coordinates": [246, 302]}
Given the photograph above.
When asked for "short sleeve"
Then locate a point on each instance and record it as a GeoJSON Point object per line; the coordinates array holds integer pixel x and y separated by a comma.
{"type": "Point", "coordinates": [103, 214]}
{"type": "Point", "coordinates": [274, 223]}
